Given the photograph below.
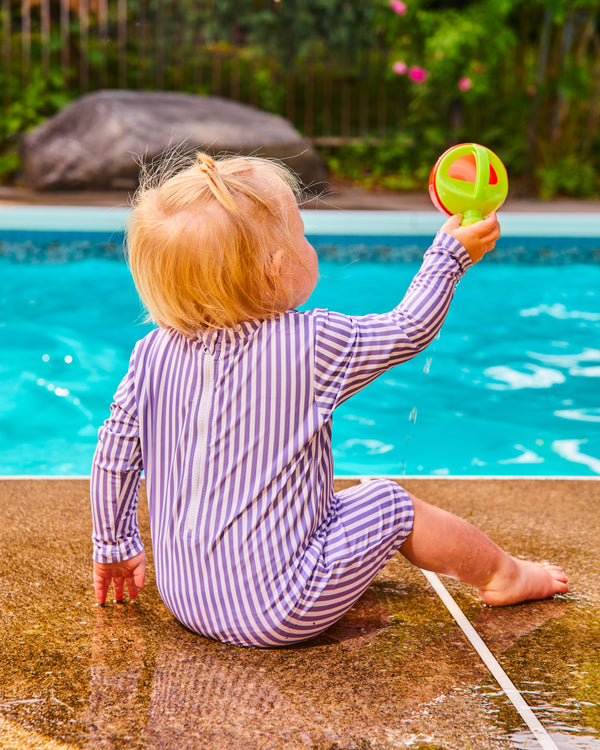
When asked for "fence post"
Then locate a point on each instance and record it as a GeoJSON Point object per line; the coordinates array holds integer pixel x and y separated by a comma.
{"type": "Point", "coordinates": [26, 40]}
{"type": "Point", "coordinates": [45, 36]}
{"type": "Point", "coordinates": [65, 40]}
{"type": "Point", "coordinates": [122, 42]}
{"type": "Point", "coordinates": [84, 33]}
{"type": "Point", "coordinates": [6, 29]}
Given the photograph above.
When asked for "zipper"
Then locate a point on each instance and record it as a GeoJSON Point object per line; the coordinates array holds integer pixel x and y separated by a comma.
{"type": "Point", "coordinates": [204, 403]}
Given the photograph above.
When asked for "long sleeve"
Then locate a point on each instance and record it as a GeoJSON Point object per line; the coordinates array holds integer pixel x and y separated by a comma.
{"type": "Point", "coordinates": [352, 351]}
{"type": "Point", "coordinates": [115, 480]}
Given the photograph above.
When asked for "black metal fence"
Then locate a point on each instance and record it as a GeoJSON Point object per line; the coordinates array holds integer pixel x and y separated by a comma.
{"type": "Point", "coordinates": [70, 47]}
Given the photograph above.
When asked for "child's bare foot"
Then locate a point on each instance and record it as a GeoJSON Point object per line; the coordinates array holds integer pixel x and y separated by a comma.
{"type": "Point", "coordinates": [524, 580]}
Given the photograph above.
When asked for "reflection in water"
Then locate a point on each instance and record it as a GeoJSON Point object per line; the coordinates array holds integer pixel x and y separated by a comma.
{"type": "Point", "coordinates": [117, 665]}
{"type": "Point", "coordinates": [201, 699]}
{"type": "Point", "coordinates": [378, 677]}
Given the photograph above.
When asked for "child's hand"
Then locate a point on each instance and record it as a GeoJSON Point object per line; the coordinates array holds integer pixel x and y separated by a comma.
{"type": "Point", "coordinates": [477, 239]}
{"type": "Point", "coordinates": [132, 572]}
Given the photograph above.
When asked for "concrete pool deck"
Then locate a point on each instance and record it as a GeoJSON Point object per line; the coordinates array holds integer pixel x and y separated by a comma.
{"type": "Point", "coordinates": [342, 195]}
{"type": "Point", "coordinates": [395, 672]}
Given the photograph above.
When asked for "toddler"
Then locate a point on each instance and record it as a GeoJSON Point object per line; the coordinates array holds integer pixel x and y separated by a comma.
{"type": "Point", "coordinates": [227, 409]}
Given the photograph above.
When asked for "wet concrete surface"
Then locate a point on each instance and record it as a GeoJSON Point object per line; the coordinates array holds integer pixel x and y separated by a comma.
{"type": "Point", "coordinates": [395, 672]}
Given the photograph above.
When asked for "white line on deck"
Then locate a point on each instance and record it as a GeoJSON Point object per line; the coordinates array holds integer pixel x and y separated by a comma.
{"type": "Point", "coordinates": [491, 663]}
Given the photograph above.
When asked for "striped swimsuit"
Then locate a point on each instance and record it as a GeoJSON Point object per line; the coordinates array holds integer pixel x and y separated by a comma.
{"type": "Point", "coordinates": [232, 429]}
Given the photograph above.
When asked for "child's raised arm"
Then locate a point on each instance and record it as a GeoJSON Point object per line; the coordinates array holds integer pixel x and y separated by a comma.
{"type": "Point", "coordinates": [477, 239]}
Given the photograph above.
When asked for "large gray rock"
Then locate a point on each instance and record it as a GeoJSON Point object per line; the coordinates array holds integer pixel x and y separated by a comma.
{"type": "Point", "coordinates": [97, 141]}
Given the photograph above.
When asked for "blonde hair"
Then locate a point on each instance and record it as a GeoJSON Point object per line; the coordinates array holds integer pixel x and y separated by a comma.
{"type": "Point", "coordinates": [201, 242]}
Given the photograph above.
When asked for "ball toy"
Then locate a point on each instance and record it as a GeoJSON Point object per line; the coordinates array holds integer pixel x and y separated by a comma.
{"type": "Point", "coordinates": [468, 179]}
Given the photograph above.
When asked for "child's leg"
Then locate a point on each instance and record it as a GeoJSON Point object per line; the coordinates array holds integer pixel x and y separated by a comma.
{"type": "Point", "coordinates": [444, 543]}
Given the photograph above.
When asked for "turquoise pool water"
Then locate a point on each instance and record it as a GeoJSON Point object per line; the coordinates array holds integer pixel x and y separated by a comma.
{"type": "Point", "coordinates": [511, 386]}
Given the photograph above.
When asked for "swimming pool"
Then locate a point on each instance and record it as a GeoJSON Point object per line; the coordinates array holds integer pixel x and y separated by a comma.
{"type": "Point", "coordinates": [509, 388]}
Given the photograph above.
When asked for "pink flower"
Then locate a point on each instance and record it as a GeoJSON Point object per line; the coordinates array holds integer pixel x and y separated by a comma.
{"type": "Point", "coordinates": [398, 7]}
{"type": "Point", "coordinates": [400, 68]}
{"type": "Point", "coordinates": [417, 74]}
{"type": "Point", "coordinates": [465, 83]}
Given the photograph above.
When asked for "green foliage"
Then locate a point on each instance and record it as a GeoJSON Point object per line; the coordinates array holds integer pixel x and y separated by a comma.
{"type": "Point", "coordinates": [409, 79]}
{"type": "Point", "coordinates": [397, 161]}
{"type": "Point", "coordinates": [520, 76]}
{"type": "Point", "coordinates": [270, 91]}
{"type": "Point", "coordinates": [290, 30]}
{"type": "Point", "coordinates": [41, 97]}
{"type": "Point", "coordinates": [568, 177]}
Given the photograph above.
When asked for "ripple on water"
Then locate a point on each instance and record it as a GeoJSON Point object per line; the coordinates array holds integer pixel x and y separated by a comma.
{"type": "Point", "coordinates": [579, 415]}
{"type": "Point", "coordinates": [563, 741]}
{"type": "Point", "coordinates": [529, 376]}
{"type": "Point", "coordinates": [569, 450]}
{"type": "Point", "coordinates": [556, 668]}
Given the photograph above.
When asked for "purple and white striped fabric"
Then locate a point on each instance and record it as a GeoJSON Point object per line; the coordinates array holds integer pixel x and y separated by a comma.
{"type": "Point", "coordinates": [233, 431]}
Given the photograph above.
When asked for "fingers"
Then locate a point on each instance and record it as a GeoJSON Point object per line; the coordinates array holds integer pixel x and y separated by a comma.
{"type": "Point", "coordinates": [130, 573]}
{"type": "Point", "coordinates": [452, 223]}
{"type": "Point", "coordinates": [137, 574]}
{"type": "Point", "coordinates": [478, 238]}
{"type": "Point", "coordinates": [489, 228]}
{"type": "Point", "coordinates": [119, 583]}
{"type": "Point", "coordinates": [484, 230]}
{"type": "Point", "coordinates": [101, 586]}
{"type": "Point", "coordinates": [489, 222]}
{"type": "Point", "coordinates": [135, 583]}
{"type": "Point", "coordinates": [118, 588]}
{"type": "Point", "coordinates": [132, 589]}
